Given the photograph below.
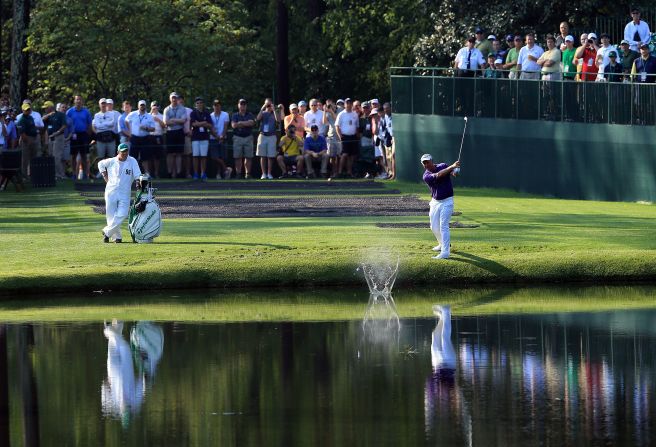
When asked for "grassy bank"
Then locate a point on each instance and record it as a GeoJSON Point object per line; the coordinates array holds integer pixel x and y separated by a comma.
{"type": "Point", "coordinates": [321, 305]}
{"type": "Point", "coordinates": [51, 242]}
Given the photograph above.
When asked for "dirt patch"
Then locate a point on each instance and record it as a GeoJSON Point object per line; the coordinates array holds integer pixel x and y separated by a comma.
{"type": "Point", "coordinates": [282, 207]}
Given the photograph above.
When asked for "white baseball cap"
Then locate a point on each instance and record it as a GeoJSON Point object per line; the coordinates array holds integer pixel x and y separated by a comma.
{"type": "Point", "coordinates": [142, 102]}
{"type": "Point", "coordinates": [109, 101]}
{"type": "Point", "coordinates": [102, 100]}
{"type": "Point", "coordinates": [426, 157]}
{"type": "Point", "coordinates": [569, 38]}
{"type": "Point", "coordinates": [293, 106]}
{"type": "Point", "coordinates": [592, 36]}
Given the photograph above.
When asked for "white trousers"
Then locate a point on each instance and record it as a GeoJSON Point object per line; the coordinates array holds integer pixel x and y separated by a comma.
{"type": "Point", "coordinates": [116, 210]}
{"type": "Point", "coordinates": [440, 215]}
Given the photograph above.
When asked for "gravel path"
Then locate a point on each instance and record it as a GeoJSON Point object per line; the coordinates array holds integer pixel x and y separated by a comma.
{"type": "Point", "coordinates": [300, 185]}
{"type": "Point", "coordinates": [320, 206]}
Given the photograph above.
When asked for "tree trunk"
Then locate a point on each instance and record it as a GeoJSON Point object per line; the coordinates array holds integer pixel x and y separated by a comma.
{"type": "Point", "coordinates": [19, 60]}
{"type": "Point", "coordinates": [2, 64]}
{"type": "Point", "coordinates": [282, 52]}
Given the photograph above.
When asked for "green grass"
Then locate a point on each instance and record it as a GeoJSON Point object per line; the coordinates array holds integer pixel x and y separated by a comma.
{"type": "Point", "coordinates": [51, 242]}
{"type": "Point", "coordinates": [322, 305]}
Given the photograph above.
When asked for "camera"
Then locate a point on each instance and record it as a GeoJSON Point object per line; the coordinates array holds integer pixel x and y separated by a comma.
{"type": "Point", "coordinates": [590, 41]}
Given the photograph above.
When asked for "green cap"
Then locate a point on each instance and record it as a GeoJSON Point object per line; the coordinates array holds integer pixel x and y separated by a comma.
{"type": "Point", "coordinates": [123, 147]}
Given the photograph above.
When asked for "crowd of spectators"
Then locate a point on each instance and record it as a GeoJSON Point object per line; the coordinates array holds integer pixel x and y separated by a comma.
{"type": "Point", "coordinates": [344, 138]}
{"type": "Point", "coordinates": [589, 58]}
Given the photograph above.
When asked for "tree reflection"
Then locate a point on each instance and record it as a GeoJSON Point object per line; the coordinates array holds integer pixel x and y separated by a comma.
{"type": "Point", "coordinates": [29, 395]}
{"type": "Point", "coordinates": [4, 387]}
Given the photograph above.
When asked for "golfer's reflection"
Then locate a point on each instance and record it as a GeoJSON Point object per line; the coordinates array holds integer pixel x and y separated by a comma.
{"type": "Point", "coordinates": [443, 355]}
{"type": "Point", "coordinates": [122, 393]}
{"type": "Point", "coordinates": [444, 403]}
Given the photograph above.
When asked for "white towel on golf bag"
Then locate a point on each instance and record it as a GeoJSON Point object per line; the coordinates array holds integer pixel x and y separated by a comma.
{"type": "Point", "coordinates": [148, 224]}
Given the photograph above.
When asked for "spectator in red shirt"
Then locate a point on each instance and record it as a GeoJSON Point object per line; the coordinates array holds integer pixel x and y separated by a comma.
{"type": "Point", "coordinates": [588, 53]}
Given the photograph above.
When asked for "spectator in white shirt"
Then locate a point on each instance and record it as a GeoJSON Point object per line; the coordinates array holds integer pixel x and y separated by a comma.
{"type": "Point", "coordinates": [220, 122]}
{"type": "Point", "coordinates": [140, 123]}
{"type": "Point", "coordinates": [602, 55]}
{"type": "Point", "coordinates": [636, 31]}
{"type": "Point", "coordinates": [469, 59]}
{"type": "Point", "coordinates": [314, 117]}
{"type": "Point", "coordinates": [346, 125]}
{"type": "Point", "coordinates": [157, 137]}
{"type": "Point", "coordinates": [528, 58]}
{"type": "Point", "coordinates": [117, 115]}
{"type": "Point", "coordinates": [103, 126]}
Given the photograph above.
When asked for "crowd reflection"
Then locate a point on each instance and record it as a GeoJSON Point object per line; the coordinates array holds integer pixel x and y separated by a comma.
{"type": "Point", "coordinates": [562, 384]}
{"type": "Point", "coordinates": [123, 391]}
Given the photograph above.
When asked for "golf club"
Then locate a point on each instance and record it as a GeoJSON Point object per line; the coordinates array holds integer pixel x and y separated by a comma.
{"type": "Point", "coordinates": [462, 141]}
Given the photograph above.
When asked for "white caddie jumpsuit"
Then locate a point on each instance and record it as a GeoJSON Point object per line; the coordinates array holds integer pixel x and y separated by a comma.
{"type": "Point", "coordinates": [120, 175]}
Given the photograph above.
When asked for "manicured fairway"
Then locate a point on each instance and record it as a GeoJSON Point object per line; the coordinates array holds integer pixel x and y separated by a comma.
{"type": "Point", "coordinates": [51, 242]}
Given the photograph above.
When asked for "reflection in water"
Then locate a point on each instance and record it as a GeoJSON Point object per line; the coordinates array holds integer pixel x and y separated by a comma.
{"type": "Point", "coordinates": [443, 355]}
{"type": "Point", "coordinates": [441, 396]}
{"type": "Point", "coordinates": [147, 342]}
{"type": "Point", "coordinates": [559, 380]}
{"type": "Point", "coordinates": [123, 391]}
{"type": "Point", "coordinates": [564, 385]}
{"type": "Point", "coordinates": [381, 322]}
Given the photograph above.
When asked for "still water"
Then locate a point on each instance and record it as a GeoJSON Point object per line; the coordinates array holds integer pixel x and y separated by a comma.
{"type": "Point", "coordinates": [510, 380]}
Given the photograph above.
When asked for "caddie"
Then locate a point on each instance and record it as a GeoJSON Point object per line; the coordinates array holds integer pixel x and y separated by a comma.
{"type": "Point", "coordinates": [438, 179]}
{"type": "Point", "coordinates": [119, 172]}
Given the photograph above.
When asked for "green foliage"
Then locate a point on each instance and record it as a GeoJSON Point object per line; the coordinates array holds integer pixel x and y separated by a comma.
{"type": "Point", "coordinates": [124, 49]}
{"type": "Point", "coordinates": [454, 20]}
{"type": "Point", "coordinates": [368, 37]}
{"type": "Point", "coordinates": [337, 48]}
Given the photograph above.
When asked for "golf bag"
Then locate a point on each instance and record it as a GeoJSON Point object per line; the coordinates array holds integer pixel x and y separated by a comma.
{"type": "Point", "coordinates": [145, 217]}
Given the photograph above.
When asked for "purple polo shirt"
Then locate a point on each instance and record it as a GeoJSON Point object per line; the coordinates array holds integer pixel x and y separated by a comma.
{"type": "Point", "coordinates": [441, 188]}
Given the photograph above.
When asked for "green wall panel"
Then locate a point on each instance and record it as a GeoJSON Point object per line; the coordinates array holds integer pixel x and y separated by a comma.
{"type": "Point", "coordinates": [560, 159]}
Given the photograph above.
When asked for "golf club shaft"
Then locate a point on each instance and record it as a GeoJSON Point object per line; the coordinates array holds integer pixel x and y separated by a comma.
{"type": "Point", "coordinates": [463, 139]}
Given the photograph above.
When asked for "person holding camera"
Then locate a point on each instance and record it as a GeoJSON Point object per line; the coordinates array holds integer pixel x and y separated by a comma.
{"type": "Point", "coordinates": [266, 140]}
{"type": "Point", "coordinates": [334, 145]}
{"type": "Point", "coordinates": [588, 54]}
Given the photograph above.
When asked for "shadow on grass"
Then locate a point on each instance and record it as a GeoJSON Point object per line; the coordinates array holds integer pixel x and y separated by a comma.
{"type": "Point", "coordinates": [482, 263]}
{"type": "Point", "coordinates": [248, 244]}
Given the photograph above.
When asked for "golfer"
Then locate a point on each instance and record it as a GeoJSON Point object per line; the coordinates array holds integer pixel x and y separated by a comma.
{"type": "Point", "coordinates": [438, 179]}
{"type": "Point", "coordinates": [119, 172]}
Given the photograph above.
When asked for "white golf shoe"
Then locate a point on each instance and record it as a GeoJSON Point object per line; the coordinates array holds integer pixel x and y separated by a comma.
{"type": "Point", "coordinates": [437, 248]}
{"type": "Point", "coordinates": [441, 256]}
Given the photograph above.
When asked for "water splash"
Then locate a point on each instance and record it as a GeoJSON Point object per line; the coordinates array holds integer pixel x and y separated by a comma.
{"type": "Point", "coordinates": [380, 276]}
{"type": "Point", "coordinates": [381, 319]}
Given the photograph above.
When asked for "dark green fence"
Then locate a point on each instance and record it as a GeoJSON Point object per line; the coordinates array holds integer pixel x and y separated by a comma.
{"type": "Point", "coordinates": [433, 91]}
{"type": "Point", "coordinates": [517, 138]}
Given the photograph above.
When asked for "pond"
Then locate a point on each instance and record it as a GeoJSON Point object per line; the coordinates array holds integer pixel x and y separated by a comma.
{"type": "Point", "coordinates": [535, 378]}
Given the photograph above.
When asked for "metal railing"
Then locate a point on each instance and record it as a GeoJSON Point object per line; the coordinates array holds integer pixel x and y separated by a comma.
{"type": "Point", "coordinates": [615, 25]}
{"type": "Point", "coordinates": [438, 91]}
